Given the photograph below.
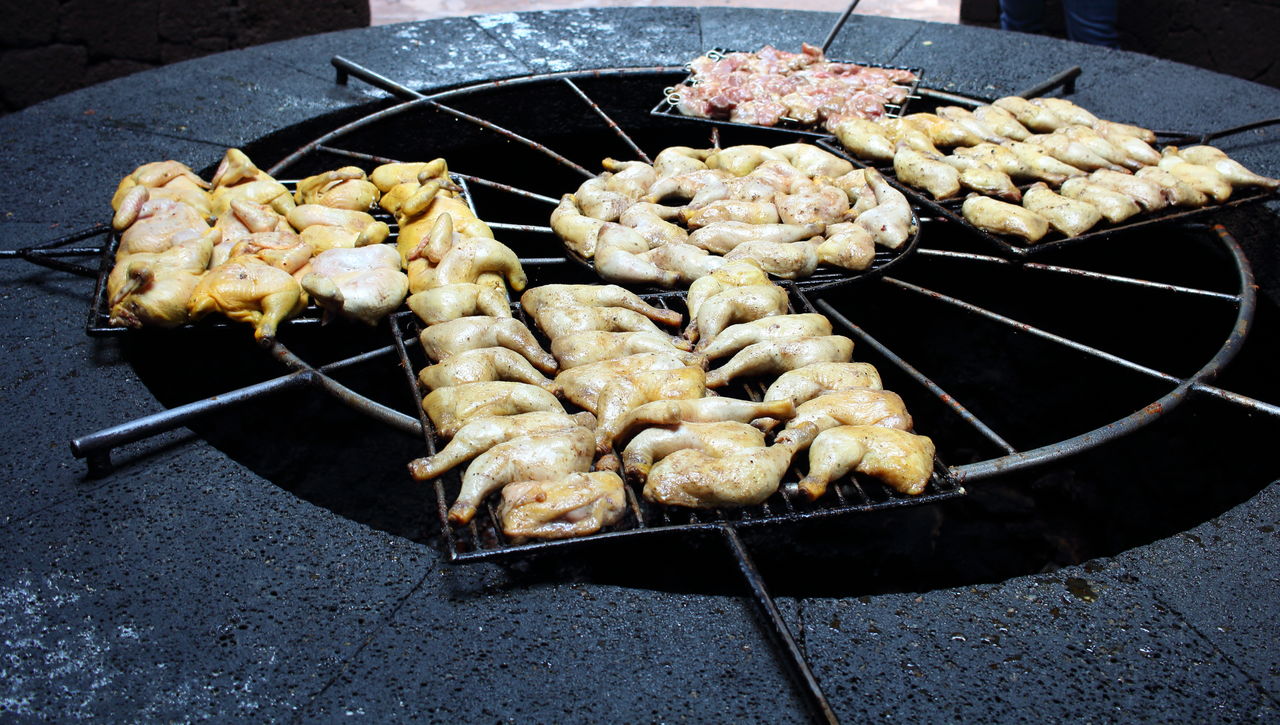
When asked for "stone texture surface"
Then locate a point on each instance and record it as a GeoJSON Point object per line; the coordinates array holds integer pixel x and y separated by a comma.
{"type": "Point", "coordinates": [188, 585]}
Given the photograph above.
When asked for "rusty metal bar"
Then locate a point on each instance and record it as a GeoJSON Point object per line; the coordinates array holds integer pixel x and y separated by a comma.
{"type": "Point", "coordinates": [616, 128]}
{"type": "Point", "coordinates": [505, 187]}
{"type": "Point", "coordinates": [521, 227]}
{"type": "Point", "coordinates": [349, 397]}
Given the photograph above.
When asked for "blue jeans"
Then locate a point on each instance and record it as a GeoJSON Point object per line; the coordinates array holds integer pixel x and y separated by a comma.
{"type": "Point", "coordinates": [1088, 21]}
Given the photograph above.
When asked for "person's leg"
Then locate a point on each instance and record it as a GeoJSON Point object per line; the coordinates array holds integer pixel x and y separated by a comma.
{"type": "Point", "coordinates": [1092, 22]}
{"type": "Point", "coordinates": [1025, 16]}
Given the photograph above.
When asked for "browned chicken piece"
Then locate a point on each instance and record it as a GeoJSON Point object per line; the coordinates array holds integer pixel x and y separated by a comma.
{"type": "Point", "coordinates": [968, 121]}
{"type": "Point", "coordinates": [1134, 147]}
{"type": "Point", "coordinates": [327, 228]}
{"type": "Point", "coordinates": [582, 348]}
{"type": "Point", "coordinates": [903, 461]}
{"type": "Point", "coordinates": [1001, 121]}
{"type": "Point", "coordinates": [1201, 178]}
{"type": "Point", "coordinates": [238, 178]}
{"type": "Point", "coordinates": [451, 301]}
{"type": "Point", "coordinates": [752, 212]}
{"type": "Point", "coordinates": [736, 304]}
{"type": "Point", "coordinates": [907, 135]}
{"type": "Point", "coordinates": [247, 289]}
{"type": "Point", "coordinates": [593, 295]}
{"type": "Point", "coordinates": [675, 160]}
{"type": "Point", "coordinates": [694, 479]}
{"type": "Point", "coordinates": [688, 185]}
{"type": "Point", "coordinates": [813, 160]}
{"type": "Point", "coordinates": [756, 187]}
{"type": "Point", "coordinates": [528, 458]}
{"type": "Point", "coordinates": [576, 505]}
{"type": "Point", "coordinates": [482, 365]}
{"type": "Point", "coordinates": [722, 237]}
{"type": "Point", "coordinates": [1114, 206]}
{"type": "Point", "coordinates": [166, 180]}
{"type": "Point", "coordinates": [714, 439]}
{"type": "Point", "coordinates": [471, 257]}
{"type": "Point", "coordinates": [154, 225]}
{"type": "Point", "coordinates": [344, 188]}
{"type": "Point", "coordinates": [1000, 217]}
{"type": "Point", "coordinates": [1176, 190]}
{"type": "Point", "coordinates": [468, 333]}
{"type": "Point", "coordinates": [699, 410]}
{"type": "Point", "coordinates": [865, 139]}
{"type": "Point", "coordinates": [152, 288]}
{"type": "Point", "coordinates": [480, 434]}
{"type": "Point", "coordinates": [387, 176]}
{"type": "Point", "coordinates": [742, 160]}
{"type": "Point", "coordinates": [556, 322]}
{"type": "Point", "coordinates": [364, 284]}
{"type": "Point", "coordinates": [813, 203]}
{"type": "Point", "coordinates": [650, 222]}
{"type": "Point", "coordinates": [1096, 143]}
{"type": "Point", "coordinates": [626, 393]}
{"type": "Point", "coordinates": [583, 384]}
{"type": "Point", "coordinates": [1041, 165]}
{"type": "Point", "coordinates": [804, 384]}
{"type": "Point", "coordinates": [857, 406]}
{"type": "Point", "coordinates": [915, 169]}
{"type": "Point", "coordinates": [941, 131]}
{"type": "Point", "coordinates": [1069, 216]}
{"type": "Point", "coordinates": [453, 407]}
{"type": "Point", "coordinates": [780, 327]}
{"type": "Point", "coordinates": [1149, 195]}
{"type": "Point", "coordinates": [890, 223]}
{"type": "Point", "coordinates": [981, 177]}
{"type": "Point", "coordinates": [778, 356]}
{"type": "Point", "coordinates": [595, 200]}
{"type": "Point", "coordinates": [1073, 153]}
{"type": "Point", "coordinates": [1036, 118]}
{"type": "Point", "coordinates": [1231, 170]}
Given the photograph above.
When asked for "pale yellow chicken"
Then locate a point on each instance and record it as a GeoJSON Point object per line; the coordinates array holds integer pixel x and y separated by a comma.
{"type": "Point", "coordinates": [857, 406]}
{"type": "Point", "coordinates": [694, 479]}
{"type": "Point", "coordinates": [557, 322]}
{"type": "Point", "coordinates": [167, 180]}
{"type": "Point", "coordinates": [593, 295]}
{"type": "Point", "coordinates": [778, 356]}
{"type": "Point", "coordinates": [1231, 170]}
{"type": "Point", "coordinates": [575, 505]}
{"type": "Point", "coordinates": [452, 407]}
{"type": "Point", "coordinates": [723, 237]}
{"type": "Point", "coordinates": [482, 365]}
{"type": "Point", "coordinates": [890, 223]}
{"type": "Point", "coordinates": [623, 394]}
{"type": "Point", "coordinates": [451, 301]}
{"type": "Point", "coordinates": [902, 460]}
{"type": "Point", "coordinates": [344, 188]}
{"type": "Point", "coordinates": [700, 410]}
{"type": "Point", "coordinates": [1114, 206]}
{"type": "Point", "coordinates": [804, 384]}
{"type": "Point", "coordinates": [363, 284]}
{"type": "Point", "coordinates": [152, 288]}
{"type": "Point", "coordinates": [327, 228]}
{"type": "Point", "coordinates": [736, 304]}
{"type": "Point", "coordinates": [583, 384]}
{"type": "Point", "coordinates": [480, 434]}
{"type": "Point", "coordinates": [468, 333]}
{"type": "Point", "coordinates": [542, 458]}
{"type": "Point", "coordinates": [238, 178]}
{"type": "Point", "coordinates": [915, 169]}
{"type": "Point", "coordinates": [780, 327]}
{"type": "Point", "coordinates": [582, 348]}
{"type": "Point", "coordinates": [247, 289]}
{"type": "Point", "coordinates": [715, 439]}
{"type": "Point", "coordinates": [154, 225]}
{"type": "Point", "coordinates": [1000, 217]}
{"type": "Point", "coordinates": [1069, 216]}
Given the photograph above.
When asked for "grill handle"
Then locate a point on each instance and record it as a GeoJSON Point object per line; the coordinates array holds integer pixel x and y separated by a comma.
{"type": "Point", "coordinates": [346, 68]}
{"type": "Point", "coordinates": [812, 691]}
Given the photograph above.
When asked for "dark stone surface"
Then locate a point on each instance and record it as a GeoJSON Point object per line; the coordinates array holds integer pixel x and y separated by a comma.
{"type": "Point", "coordinates": [189, 586]}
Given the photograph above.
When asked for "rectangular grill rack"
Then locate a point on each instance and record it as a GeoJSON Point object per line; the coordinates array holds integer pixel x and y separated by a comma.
{"type": "Point", "coordinates": [482, 539]}
{"type": "Point", "coordinates": [667, 108]}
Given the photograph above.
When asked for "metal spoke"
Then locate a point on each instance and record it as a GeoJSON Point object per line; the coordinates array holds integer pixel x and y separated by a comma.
{"type": "Point", "coordinates": [513, 136]}
{"type": "Point", "coordinates": [504, 187]}
{"type": "Point", "coordinates": [1072, 271]}
{"type": "Point", "coordinates": [918, 376]}
{"type": "Point", "coordinates": [616, 128]}
{"type": "Point", "coordinates": [357, 155]}
{"type": "Point", "coordinates": [393, 418]}
{"type": "Point", "coordinates": [521, 227]}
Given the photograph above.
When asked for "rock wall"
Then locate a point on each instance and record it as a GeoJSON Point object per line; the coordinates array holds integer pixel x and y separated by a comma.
{"type": "Point", "coordinates": [50, 47]}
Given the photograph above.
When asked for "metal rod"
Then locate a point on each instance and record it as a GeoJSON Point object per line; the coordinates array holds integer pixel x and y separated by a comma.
{"type": "Point", "coordinates": [377, 411]}
{"type": "Point", "coordinates": [1066, 79]}
{"type": "Point", "coordinates": [955, 98]}
{"type": "Point", "coordinates": [799, 668]}
{"type": "Point", "coordinates": [835, 29]}
{"type": "Point", "coordinates": [38, 252]}
{"type": "Point", "coordinates": [520, 227]}
{"type": "Point", "coordinates": [513, 136]}
{"type": "Point", "coordinates": [919, 377]}
{"type": "Point", "coordinates": [1031, 329]}
{"type": "Point", "coordinates": [58, 264]}
{"type": "Point", "coordinates": [357, 155]}
{"type": "Point", "coordinates": [616, 128]}
{"type": "Point", "coordinates": [505, 187]}
{"type": "Point", "coordinates": [1072, 271]}
{"type": "Point", "coordinates": [543, 260]}
{"type": "Point", "coordinates": [1206, 137]}
{"type": "Point", "coordinates": [347, 68]}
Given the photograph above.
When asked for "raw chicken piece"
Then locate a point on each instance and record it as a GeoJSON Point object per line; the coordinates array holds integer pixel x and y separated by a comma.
{"type": "Point", "coordinates": [471, 257]}
{"type": "Point", "coordinates": [758, 186]}
{"type": "Point", "coordinates": [857, 406]}
{"type": "Point", "coordinates": [1114, 206]}
{"type": "Point", "coordinates": [737, 304]}
{"type": "Point", "coordinates": [700, 410]}
{"type": "Point", "coordinates": [714, 439]}
{"type": "Point", "coordinates": [152, 288]}
{"type": "Point", "coordinates": [556, 322]}
{"type": "Point", "coordinates": [154, 225]}
{"type": "Point", "coordinates": [244, 219]}
{"type": "Point", "coordinates": [482, 365]}
{"type": "Point", "coordinates": [247, 289]}
{"type": "Point", "coordinates": [722, 237]}
{"type": "Point", "coordinates": [890, 222]}
{"type": "Point", "coordinates": [365, 283]}
{"type": "Point", "coordinates": [1069, 216]}
{"type": "Point", "coordinates": [779, 356]}
{"type": "Point", "coordinates": [780, 327]}
{"type": "Point", "coordinates": [999, 217]}
{"type": "Point", "coordinates": [691, 184]}
{"type": "Point", "coordinates": [344, 188]}
{"type": "Point", "coordinates": [576, 505]}
{"type": "Point", "coordinates": [582, 348]}
{"type": "Point", "coordinates": [457, 405]}
{"type": "Point", "coordinates": [804, 384]}
{"type": "Point", "coordinates": [915, 169]}
{"type": "Point", "coordinates": [468, 333]}
{"type": "Point", "coordinates": [593, 295]}
{"type": "Point", "coordinates": [694, 479]}
{"type": "Point", "coordinates": [1231, 170]}
{"type": "Point", "coordinates": [327, 228]}
{"type": "Point", "coordinates": [542, 458]}
{"type": "Point", "coordinates": [238, 178]}
{"type": "Point", "coordinates": [166, 180]}
{"type": "Point", "coordinates": [451, 301]}
{"type": "Point", "coordinates": [902, 460]}
{"type": "Point", "coordinates": [283, 250]}
{"type": "Point", "coordinates": [481, 434]}
{"type": "Point", "coordinates": [387, 176]}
